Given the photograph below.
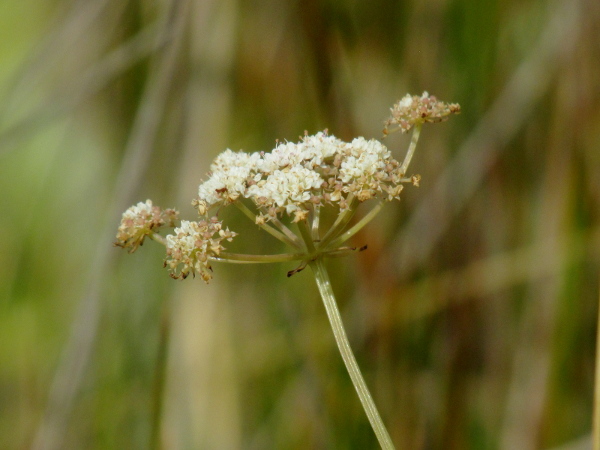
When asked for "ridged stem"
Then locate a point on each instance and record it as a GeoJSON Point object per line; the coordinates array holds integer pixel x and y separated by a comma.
{"type": "Point", "coordinates": [343, 344]}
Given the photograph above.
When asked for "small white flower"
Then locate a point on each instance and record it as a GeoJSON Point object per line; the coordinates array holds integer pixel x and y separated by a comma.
{"type": "Point", "coordinates": [321, 147]}
{"type": "Point", "coordinates": [283, 155]}
{"type": "Point", "coordinates": [230, 172]}
{"type": "Point", "coordinates": [289, 188]}
{"type": "Point", "coordinates": [406, 101]}
{"type": "Point", "coordinates": [366, 172]}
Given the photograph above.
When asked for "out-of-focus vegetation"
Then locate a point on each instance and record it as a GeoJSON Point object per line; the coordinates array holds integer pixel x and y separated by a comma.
{"type": "Point", "coordinates": [473, 311]}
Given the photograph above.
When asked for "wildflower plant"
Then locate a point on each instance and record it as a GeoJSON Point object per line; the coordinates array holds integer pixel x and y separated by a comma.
{"type": "Point", "coordinates": [293, 183]}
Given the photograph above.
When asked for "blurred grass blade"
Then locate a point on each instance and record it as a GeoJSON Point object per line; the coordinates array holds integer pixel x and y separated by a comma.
{"type": "Point", "coordinates": [78, 350]}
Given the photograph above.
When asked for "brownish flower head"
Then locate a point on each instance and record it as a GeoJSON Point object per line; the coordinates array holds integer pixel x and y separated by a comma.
{"type": "Point", "coordinates": [413, 110]}
{"type": "Point", "coordinates": [192, 245]}
{"type": "Point", "coordinates": [140, 221]}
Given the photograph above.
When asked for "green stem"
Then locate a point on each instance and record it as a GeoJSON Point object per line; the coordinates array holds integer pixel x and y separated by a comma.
{"type": "Point", "coordinates": [343, 344]}
{"type": "Point", "coordinates": [411, 149]}
{"type": "Point", "coordinates": [288, 238]}
{"type": "Point", "coordinates": [357, 227]}
{"type": "Point", "coordinates": [158, 238]}
{"type": "Point", "coordinates": [315, 223]}
{"type": "Point", "coordinates": [289, 233]}
{"type": "Point", "coordinates": [239, 258]}
{"type": "Point", "coordinates": [305, 232]}
{"type": "Point", "coordinates": [341, 221]}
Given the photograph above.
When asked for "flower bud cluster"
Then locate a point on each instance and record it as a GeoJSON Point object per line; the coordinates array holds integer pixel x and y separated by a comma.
{"type": "Point", "coordinates": [414, 109]}
{"type": "Point", "coordinates": [142, 220]}
{"type": "Point", "coordinates": [192, 245]}
{"type": "Point", "coordinates": [319, 169]}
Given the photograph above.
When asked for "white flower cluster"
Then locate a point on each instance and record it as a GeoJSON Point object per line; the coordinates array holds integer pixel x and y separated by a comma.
{"type": "Point", "coordinates": [230, 171]}
{"type": "Point", "coordinates": [319, 169]}
{"type": "Point", "coordinates": [414, 109]}
{"type": "Point", "coordinates": [140, 221]}
{"type": "Point", "coordinates": [192, 245]}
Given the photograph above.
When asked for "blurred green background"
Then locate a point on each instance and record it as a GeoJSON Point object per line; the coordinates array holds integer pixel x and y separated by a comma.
{"type": "Point", "coordinates": [473, 311]}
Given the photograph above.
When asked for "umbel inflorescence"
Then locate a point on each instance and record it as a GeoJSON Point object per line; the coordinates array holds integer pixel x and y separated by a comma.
{"type": "Point", "coordinates": [295, 180]}
{"type": "Point", "coordinates": [293, 183]}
